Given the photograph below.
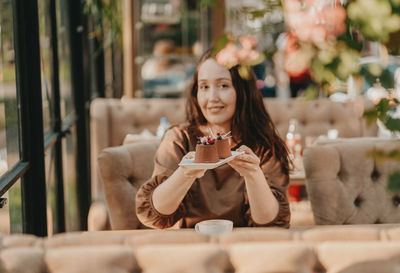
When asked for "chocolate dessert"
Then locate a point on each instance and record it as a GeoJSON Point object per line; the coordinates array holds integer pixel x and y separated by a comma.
{"type": "Point", "coordinates": [223, 146]}
{"type": "Point", "coordinates": [206, 151]}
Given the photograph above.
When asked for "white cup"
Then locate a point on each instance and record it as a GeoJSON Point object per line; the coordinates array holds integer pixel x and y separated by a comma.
{"type": "Point", "coordinates": [214, 227]}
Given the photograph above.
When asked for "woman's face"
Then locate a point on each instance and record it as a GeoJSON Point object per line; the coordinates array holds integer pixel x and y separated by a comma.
{"type": "Point", "coordinates": [216, 95]}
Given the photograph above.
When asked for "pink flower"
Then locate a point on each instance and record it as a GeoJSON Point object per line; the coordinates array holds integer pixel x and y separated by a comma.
{"type": "Point", "coordinates": [231, 55]}
{"type": "Point", "coordinates": [246, 55]}
{"type": "Point", "coordinates": [228, 56]}
{"type": "Point", "coordinates": [292, 5]}
{"type": "Point", "coordinates": [248, 42]}
{"type": "Point", "coordinates": [315, 23]}
{"type": "Point", "coordinates": [318, 34]}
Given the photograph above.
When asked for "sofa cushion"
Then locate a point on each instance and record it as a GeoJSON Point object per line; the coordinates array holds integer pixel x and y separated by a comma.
{"type": "Point", "coordinates": [340, 233]}
{"type": "Point", "coordinates": [21, 260]}
{"type": "Point", "coordinates": [199, 258]}
{"type": "Point", "coordinates": [288, 257]}
{"type": "Point", "coordinates": [167, 237]}
{"type": "Point", "coordinates": [360, 257]}
{"type": "Point", "coordinates": [21, 240]}
{"type": "Point", "coordinates": [255, 235]}
{"type": "Point", "coordinates": [83, 239]}
{"type": "Point", "coordinates": [347, 187]}
{"type": "Point", "coordinates": [99, 259]}
{"type": "Point", "coordinates": [315, 117]}
{"type": "Point", "coordinates": [393, 234]}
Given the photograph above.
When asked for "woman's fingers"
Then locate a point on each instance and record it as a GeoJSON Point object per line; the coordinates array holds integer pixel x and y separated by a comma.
{"type": "Point", "coordinates": [247, 158]}
{"type": "Point", "coordinates": [243, 166]}
{"type": "Point", "coordinates": [246, 163]}
{"type": "Point", "coordinates": [189, 155]}
{"type": "Point", "coordinates": [245, 149]}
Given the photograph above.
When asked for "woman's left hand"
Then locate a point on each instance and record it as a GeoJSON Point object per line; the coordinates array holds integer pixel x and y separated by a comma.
{"type": "Point", "coordinates": [247, 164]}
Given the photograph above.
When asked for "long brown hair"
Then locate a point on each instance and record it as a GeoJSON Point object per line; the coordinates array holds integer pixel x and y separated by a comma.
{"type": "Point", "coordinates": [251, 123]}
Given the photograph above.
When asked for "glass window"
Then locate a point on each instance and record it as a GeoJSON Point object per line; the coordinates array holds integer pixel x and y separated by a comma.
{"type": "Point", "coordinates": [70, 191]}
{"type": "Point", "coordinates": [64, 58]}
{"type": "Point", "coordinates": [11, 213]}
{"type": "Point", "coordinates": [167, 46]}
{"type": "Point", "coordinates": [46, 64]}
{"type": "Point", "coordinates": [9, 145]}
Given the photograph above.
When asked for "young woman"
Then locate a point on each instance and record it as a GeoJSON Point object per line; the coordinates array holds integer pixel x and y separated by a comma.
{"type": "Point", "coordinates": [250, 190]}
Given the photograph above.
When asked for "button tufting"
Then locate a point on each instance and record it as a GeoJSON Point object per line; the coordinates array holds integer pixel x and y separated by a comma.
{"type": "Point", "coordinates": [375, 175]}
{"type": "Point", "coordinates": [357, 201]}
{"type": "Point", "coordinates": [396, 200]}
{"type": "Point", "coordinates": [131, 179]}
{"type": "Point", "coordinates": [341, 175]}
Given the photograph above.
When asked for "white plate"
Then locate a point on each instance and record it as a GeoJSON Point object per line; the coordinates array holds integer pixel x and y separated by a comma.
{"type": "Point", "coordinates": [189, 162]}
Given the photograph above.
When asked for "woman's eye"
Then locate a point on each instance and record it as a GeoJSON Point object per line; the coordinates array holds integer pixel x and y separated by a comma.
{"type": "Point", "coordinates": [223, 86]}
{"type": "Point", "coordinates": [203, 87]}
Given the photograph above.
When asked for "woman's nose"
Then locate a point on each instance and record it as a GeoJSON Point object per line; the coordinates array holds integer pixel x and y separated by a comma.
{"type": "Point", "coordinates": [214, 95]}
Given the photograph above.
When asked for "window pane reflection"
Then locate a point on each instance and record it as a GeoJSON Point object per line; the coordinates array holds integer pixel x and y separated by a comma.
{"type": "Point", "coordinates": [46, 64]}
{"type": "Point", "coordinates": [70, 193]}
{"type": "Point", "coordinates": [63, 58]}
{"type": "Point", "coordinates": [11, 214]}
{"type": "Point", "coordinates": [9, 145]}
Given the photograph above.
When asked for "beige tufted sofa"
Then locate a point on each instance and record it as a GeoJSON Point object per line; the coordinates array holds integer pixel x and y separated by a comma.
{"type": "Point", "coordinates": [347, 187]}
{"type": "Point", "coordinates": [113, 119]}
{"type": "Point", "coordinates": [331, 249]}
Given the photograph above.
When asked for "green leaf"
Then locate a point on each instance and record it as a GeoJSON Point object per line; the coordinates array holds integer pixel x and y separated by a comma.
{"type": "Point", "coordinates": [244, 71]}
{"type": "Point", "coordinates": [394, 182]}
{"type": "Point", "coordinates": [381, 156]}
{"type": "Point", "coordinates": [382, 108]}
{"type": "Point", "coordinates": [206, 3]}
{"type": "Point", "coordinates": [392, 124]}
{"type": "Point", "coordinates": [258, 13]}
{"type": "Point", "coordinates": [371, 116]}
{"type": "Point", "coordinates": [221, 42]}
{"type": "Point", "coordinates": [256, 61]}
{"type": "Point", "coordinates": [311, 93]}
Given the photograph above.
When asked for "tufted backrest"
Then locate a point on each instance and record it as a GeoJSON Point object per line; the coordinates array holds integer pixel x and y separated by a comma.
{"type": "Point", "coordinates": [345, 186]}
{"type": "Point", "coordinates": [113, 119]}
{"type": "Point", "coordinates": [123, 170]}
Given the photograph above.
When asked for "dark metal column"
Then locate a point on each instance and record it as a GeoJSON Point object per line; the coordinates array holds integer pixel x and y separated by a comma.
{"type": "Point", "coordinates": [60, 209]}
{"type": "Point", "coordinates": [27, 56]}
{"type": "Point", "coordinates": [80, 92]}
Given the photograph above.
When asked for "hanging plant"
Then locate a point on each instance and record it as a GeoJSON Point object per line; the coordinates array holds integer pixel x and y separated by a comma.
{"type": "Point", "coordinates": [107, 17]}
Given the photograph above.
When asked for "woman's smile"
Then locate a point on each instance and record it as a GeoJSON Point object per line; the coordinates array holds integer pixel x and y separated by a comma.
{"type": "Point", "coordinates": [215, 109]}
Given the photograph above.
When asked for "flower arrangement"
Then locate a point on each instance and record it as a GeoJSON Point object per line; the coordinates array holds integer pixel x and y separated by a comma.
{"type": "Point", "coordinates": [315, 21]}
{"type": "Point", "coordinates": [244, 55]}
{"type": "Point", "coordinates": [329, 38]}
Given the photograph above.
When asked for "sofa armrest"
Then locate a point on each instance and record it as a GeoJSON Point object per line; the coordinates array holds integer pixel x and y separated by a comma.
{"type": "Point", "coordinates": [99, 139]}
{"type": "Point", "coordinates": [123, 169]}
{"type": "Point", "coordinates": [98, 217]}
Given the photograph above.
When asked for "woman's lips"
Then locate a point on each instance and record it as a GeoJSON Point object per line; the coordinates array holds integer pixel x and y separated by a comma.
{"type": "Point", "coordinates": [215, 109]}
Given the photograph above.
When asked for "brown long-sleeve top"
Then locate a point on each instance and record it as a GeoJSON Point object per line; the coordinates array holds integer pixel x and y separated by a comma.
{"type": "Point", "coordinates": [219, 194]}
